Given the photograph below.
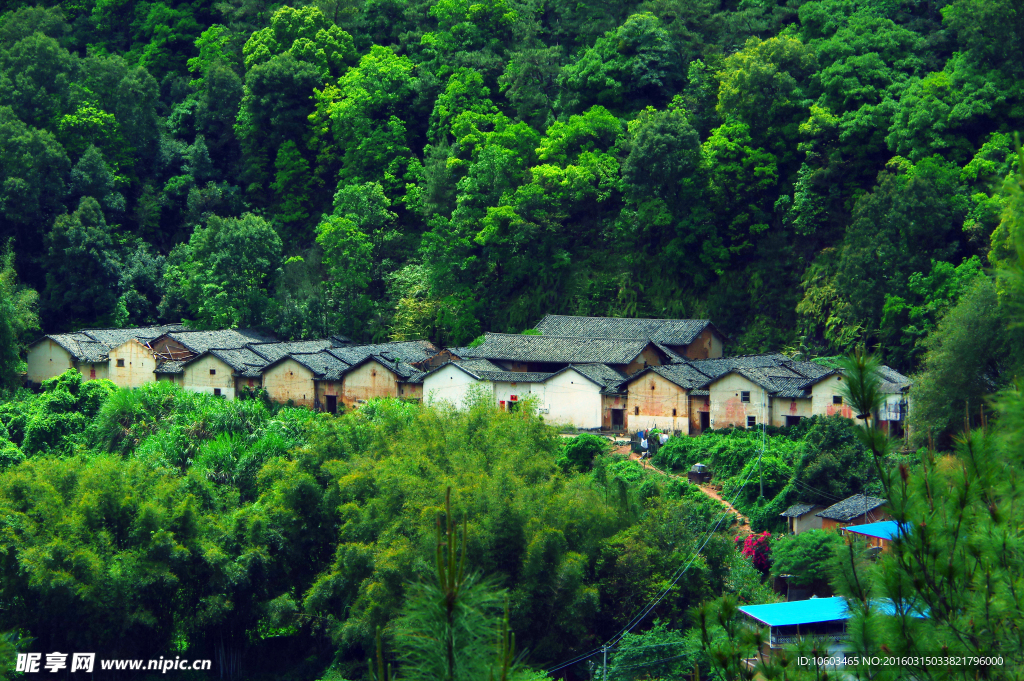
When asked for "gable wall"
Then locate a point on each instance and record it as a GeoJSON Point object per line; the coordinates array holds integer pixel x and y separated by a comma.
{"type": "Point", "coordinates": [138, 368]}
{"type": "Point", "coordinates": [727, 407]}
{"type": "Point", "coordinates": [651, 401]}
{"type": "Point", "coordinates": [822, 393]}
{"type": "Point", "coordinates": [197, 377]}
{"type": "Point", "coordinates": [648, 357]}
{"type": "Point", "coordinates": [707, 345]}
{"type": "Point", "coordinates": [47, 359]}
{"type": "Point", "coordinates": [572, 398]}
{"type": "Point", "coordinates": [370, 380]}
{"type": "Point", "coordinates": [610, 402]}
{"type": "Point", "coordinates": [289, 380]}
{"type": "Point", "coordinates": [448, 385]}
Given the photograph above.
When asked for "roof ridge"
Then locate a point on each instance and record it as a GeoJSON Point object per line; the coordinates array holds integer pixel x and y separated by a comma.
{"type": "Point", "coordinates": [573, 338]}
{"type": "Point", "coordinates": [646, 319]}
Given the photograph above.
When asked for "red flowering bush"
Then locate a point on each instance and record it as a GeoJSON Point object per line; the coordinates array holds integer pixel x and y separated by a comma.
{"type": "Point", "coordinates": [758, 548]}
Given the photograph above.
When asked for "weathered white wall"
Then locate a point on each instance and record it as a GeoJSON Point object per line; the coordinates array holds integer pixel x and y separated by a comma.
{"type": "Point", "coordinates": [652, 398]}
{"type": "Point", "coordinates": [366, 382]}
{"type": "Point", "coordinates": [727, 407]}
{"type": "Point", "coordinates": [46, 359]}
{"type": "Point", "coordinates": [785, 406]}
{"type": "Point", "coordinates": [448, 384]}
{"type": "Point", "coordinates": [197, 377]}
{"type": "Point", "coordinates": [138, 368]}
{"type": "Point", "coordinates": [571, 398]}
{"type": "Point", "coordinates": [822, 393]}
{"type": "Point", "coordinates": [504, 390]}
{"type": "Point", "coordinates": [289, 380]}
{"type": "Point", "coordinates": [808, 521]}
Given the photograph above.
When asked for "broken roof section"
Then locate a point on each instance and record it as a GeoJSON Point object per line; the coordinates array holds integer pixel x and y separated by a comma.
{"type": "Point", "coordinates": [667, 331]}
{"type": "Point", "coordinates": [93, 345]}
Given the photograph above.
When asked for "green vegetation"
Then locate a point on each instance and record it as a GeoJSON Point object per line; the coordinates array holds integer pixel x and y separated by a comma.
{"type": "Point", "coordinates": [818, 174]}
{"type": "Point", "coordinates": [163, 521]}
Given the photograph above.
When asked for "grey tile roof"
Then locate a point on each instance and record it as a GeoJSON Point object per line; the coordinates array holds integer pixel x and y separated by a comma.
{"type": "Point", "coordinates": [274, 351]}
{"type": "Point", "coordinates": [93, 345]}
{"type": "Point", "coordinates": [557, 349]}
{"type": "Point", "coordinates": [851, 507]}
{"type": "Point", "coordinates": [670, 331]}
{"type": "Point", "coordinates": [892, 380]}
{"type": "Point", "coordinates": [244, 361]}
{"type": "Point", "coordinates": [338, 340]}
{"type": "Point", "coordinates": [778, 380]}
{"type": "Point", "coordinates": [407, 351]}
{"type": "Point", "coordinates": [686, 376]}
{"type": "Point", "coordinates": [488, 371]}
{"type": "Point", "coordinates": [715, 368]}
{"type": "Point", "coordinates": [608, 378]}
{"type": "Point", "coordinates": [778, 374]}
{"type": "Point", "coordinates": [201, 341]}
{"type": "Point", "coordinates": [797, 510]}
{"type": "Point", "coordinates": [324, 365]}
{"type": "Point", "coordinates": [169, 366]}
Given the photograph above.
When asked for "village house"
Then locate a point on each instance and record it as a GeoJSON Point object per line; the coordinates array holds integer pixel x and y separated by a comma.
{"type": "Point", "coordinates": [687, 338]}
{"type": "Point", "coordinates": [305, 379]}
{"type": "Point", "coordinates": [803, 517]}
{"type": "Point", "coordinates": [662, 397]}
{"type": "Point", "coordinates": [584, 396]}
{"type": "Point", "coordinates": [856, 510]}
{"type": "Point", "coordinates": [88, 351]}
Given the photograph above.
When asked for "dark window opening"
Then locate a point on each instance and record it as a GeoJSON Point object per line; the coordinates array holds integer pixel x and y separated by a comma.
{"type": "Point", "coordinates": [120, 362]}
{"type": "Point", "coordinates": [792, 420]}
{"type": "Point", "coordinates": [837, 399]}
{"type": "Point", "coordinates": [332, 404]}
{"type": "Point", "coordinates": [751, 421]}
{"type": "Point", "coordinates": [213, 372]}
{"type": "Point", "coordinates": [216, 392]}
{"type": "Point", "coordinates": [636, 411]}
{"type": "Point", "coordinates": [745, 396]}
{"type": "Point", "coordinates": [673, 412]}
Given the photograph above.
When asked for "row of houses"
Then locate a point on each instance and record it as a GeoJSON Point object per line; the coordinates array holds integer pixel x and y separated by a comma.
{"type": "Point", "coordinates": [588, 372]}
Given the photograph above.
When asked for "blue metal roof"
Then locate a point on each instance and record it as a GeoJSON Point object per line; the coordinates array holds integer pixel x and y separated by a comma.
{"type": "Point", "coordinates": [812, 610]}
{"type": "Point", "coordinates": [799, 612]}
{"type": "Point", "coordinates": [883, 530]}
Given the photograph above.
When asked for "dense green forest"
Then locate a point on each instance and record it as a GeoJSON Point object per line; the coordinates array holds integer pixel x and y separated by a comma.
{"type": "Point", "coordinates": [807, 174]}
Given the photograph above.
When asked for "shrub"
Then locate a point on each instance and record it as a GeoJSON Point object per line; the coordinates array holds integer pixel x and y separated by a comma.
{"type": "Point", "coordinates": [806, 556]}
{"type": "Point", "coordinates": [579, 452]}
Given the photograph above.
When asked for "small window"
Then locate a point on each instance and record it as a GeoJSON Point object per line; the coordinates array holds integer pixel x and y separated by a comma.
{"type": "Point", "coordinates": [216, 392]}
{"type": "Point", "coordinates": [745, 396]}
{"type": "Point", "coordinates": [837, 399]}
{"type": "Point", "coordinates": [213, 372]}
{"type": "Point", "coordinates": [636, 411]}
{"type": "Point", "coordinates": [120, 362]}
{"type": "Point", "coordinates": [673, 412]}
{"type": "Point", "coordinates": [751, 421]}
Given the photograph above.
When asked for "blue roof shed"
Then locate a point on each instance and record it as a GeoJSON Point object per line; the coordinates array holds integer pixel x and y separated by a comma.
{"type": "Point", "coordinates": [799, 612]}
{"type": "Point", "coordinates": [885, 530]}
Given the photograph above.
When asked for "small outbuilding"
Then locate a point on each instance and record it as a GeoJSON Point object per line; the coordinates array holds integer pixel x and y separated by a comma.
{"type": "Point", "coordinates": [699, 474]}
{"type": "Point", "coordinates": [802, 517]}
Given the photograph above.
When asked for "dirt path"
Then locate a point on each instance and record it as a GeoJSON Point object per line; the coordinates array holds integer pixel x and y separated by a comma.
{"type": "Point", "coordinates": [743, 526]}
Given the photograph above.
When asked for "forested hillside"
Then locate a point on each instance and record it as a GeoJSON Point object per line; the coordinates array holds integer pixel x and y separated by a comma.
{"type": "Point", "coordinates": [807, 174]}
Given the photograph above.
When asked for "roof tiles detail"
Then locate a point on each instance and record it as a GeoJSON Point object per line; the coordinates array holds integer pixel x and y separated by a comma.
{"type": "Point", "coordinates": [557, 349]}
{"type": "Point", "coordinates": [851, 507]}
{"type": "Point", "coordinates": [668, 331]}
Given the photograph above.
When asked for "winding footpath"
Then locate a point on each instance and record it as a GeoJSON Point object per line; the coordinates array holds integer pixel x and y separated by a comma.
{"type": "Point", "coordinates": [743, 526]}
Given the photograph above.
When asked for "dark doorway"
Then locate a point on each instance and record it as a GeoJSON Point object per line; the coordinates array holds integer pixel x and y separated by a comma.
{"type": "Point", "coordinates": [618, 419]}
{"type": "Point", "coordinates": [332, 404]}
{"type": "Point", "coordinates": [705, 420]}
{"type": "Point", "coordinates": [792, 420]}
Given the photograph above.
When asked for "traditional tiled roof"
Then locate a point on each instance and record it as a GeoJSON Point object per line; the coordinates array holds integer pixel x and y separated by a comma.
{"type": "Point", "coordinates": [605, 376]}
{"type": "Point", "coordinates": [482, 370]}
{"type": "Point", "coordinates": [716, 368]}
{"type": "Point", "coordinates": [201, 341]}
{"type": "Point", "coordinates": [668, 331]}
{"type": "Point", "coordinates": [93, 345]}
{"type": "Point", "coordinates": [778, 374]}
{"type": "Point", "coordinates": [557, 349]}
{"type": "Point", "coordinates": [407, 351]}
{"type": "Point", "coordinates": [338, 340]}
{"type": "Point", "coordinates": [324, 365]}
{"type": "Point", "coordinates": [169, 366]}
{"type": "Point", "coordinates": [851, 507]}
{"type": "Point", "coordinates": [778, 380]}
{"type": "Point", "coordinates": [892, 380]}
{"type": "Point", "coordinates": [686, 376]}
{"type": "Point", "coordinates": [274, 351]}
{"type": "Point", "coordinates": [797, 510]}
